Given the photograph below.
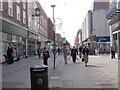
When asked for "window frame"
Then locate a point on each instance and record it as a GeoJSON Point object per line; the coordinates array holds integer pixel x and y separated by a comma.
{"type": "Point", "coordinates": [24, 16]}
{"type": "Point", "coordinates": [10, 8]}
{"type": "Point", "coordinates": [1, 5]}
{"type": "Point", "coordinates": [18, 12]}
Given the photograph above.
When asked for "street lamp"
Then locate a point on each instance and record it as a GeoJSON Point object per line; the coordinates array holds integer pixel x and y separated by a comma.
{"type": "Point", "coordinates": [37, 12]}
{"type": "Point", "coordinates": [54, 35]}
{"type": "Point", "coordinates": [60, 23]}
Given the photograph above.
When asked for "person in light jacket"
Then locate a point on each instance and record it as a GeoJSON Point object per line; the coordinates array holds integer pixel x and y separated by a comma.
{"type": "Point", "coordinates": [85, 55]}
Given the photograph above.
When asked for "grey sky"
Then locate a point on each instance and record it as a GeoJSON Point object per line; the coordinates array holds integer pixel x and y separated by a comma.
{"type": "Point", "coordinates": [72, 13]}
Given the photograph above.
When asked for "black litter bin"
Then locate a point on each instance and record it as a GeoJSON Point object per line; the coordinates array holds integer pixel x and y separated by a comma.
{"type": "Point", "coordinates": [39, 77]}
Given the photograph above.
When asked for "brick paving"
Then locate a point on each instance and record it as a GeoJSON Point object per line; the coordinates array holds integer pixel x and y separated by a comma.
{"type": "Point", "coordinates": [102, 72]}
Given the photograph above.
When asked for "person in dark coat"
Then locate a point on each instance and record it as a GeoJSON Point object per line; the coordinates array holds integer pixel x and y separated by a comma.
{"type": "Point", "coordinates": [85, 55]}
{"type": "Point", "coordinates": [10, 54]}
{"type": "Point", "coordinates": [39, 51]}
{"type": "Point", "coordinates": [46, 55]}
{"type": "Point", "coordinates": [80, 51]}
{"type": "Point", "coordinates": [74, 53]}
{"type": "Point", "coordinates": [112, 52]}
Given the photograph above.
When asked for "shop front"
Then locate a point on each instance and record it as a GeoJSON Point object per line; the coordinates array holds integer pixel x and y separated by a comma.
{"type": "Point", "coordinates": [115, 28]}
{"type": "Point", "coordinates": [116, 42]}
{"type": "Point", "coordinates": [15, 36]}
{"type": "Point", "coordinates": [32, 44]}
{"type": "Point", "coordinates": [103, 44]}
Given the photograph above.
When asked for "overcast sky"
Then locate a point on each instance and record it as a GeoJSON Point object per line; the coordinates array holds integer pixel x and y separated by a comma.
{"type": "Point", "coordinates": [71, 12]}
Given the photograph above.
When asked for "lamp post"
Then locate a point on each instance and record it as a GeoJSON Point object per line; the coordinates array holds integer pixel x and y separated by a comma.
{"type": "Point", "coordinates": [60, 23]}
{"type": "Point", "coordinates": [54, 50]}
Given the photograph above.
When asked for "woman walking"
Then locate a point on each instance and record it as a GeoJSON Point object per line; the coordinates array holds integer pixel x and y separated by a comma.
{"type": "Point", "coordinates": [46, 55]}
{"type": "Point", "coordinates": [65, 53]}
{"type": "Point", "coordinates": [85, 53]}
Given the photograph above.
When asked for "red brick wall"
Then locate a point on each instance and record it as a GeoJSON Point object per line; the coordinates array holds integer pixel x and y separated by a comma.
{"type": "Point", "coordinates": [14, 18]}
{"type": "Point", "coordinates": [50, 30]}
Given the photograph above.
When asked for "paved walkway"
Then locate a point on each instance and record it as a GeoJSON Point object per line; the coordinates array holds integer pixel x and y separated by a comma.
{"type": "Point", "coordinates": [102, 72]}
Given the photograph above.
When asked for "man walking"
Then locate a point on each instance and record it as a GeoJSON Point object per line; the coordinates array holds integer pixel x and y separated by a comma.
{"type": "Point", "coordinates": [112, 52]}
{"type": "Point", "coordinates": [74, 53]}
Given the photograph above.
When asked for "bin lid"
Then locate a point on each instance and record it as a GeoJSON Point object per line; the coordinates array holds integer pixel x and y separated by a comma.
{"type": "Point", "coordinates": [39, 66]}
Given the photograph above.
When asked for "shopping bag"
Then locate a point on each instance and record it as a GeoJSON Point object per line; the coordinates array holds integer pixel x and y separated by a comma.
{"type": "Point", "coordinates": [68, 57]}
{"type": "Point", "coordinates": [78, 58]}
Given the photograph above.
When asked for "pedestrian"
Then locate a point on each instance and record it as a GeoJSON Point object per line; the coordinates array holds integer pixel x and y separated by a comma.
{"type": "Point", "coordinates": [46, 55]}
{"type": "Point", "coordinates": [65, 53]}
{"type": "Point", "coordinates": [58, 50]}
{"type": "Point", "coordinates": [39, 51]}
{"type": "Point", "coordinates": [24, 51]}
{"type": "Point", "coordinates": [85, 55]}
{"type": "Point", "coordinates": [10, 54]}
{"type": "Point", "coordinates": [112, 52]}
{"type": "Point", "coordinates": [80, 51]}
{"type": "Point", "coordinates": [74, 54]}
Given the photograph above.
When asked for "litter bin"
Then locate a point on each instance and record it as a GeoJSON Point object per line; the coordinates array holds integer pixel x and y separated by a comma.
{"type": "Point", "coordinates": [39, 77]}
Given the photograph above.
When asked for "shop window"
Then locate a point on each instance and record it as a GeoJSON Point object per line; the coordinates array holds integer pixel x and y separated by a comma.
{"type": "Point", "coordinates": [18, 12]}
{"type": "Point", "coordinates": [20, 39]}
{"type": "Point", "coordinates": [9, 37]}
{"type": "Point", "coordinates": [4, 37]}
{"type": "Point", "coordinates": [13, 38]}
{"type": "Point", "coordinates": [24, 17]}
{"type": "Point", "coordinates": [10, 8]}
{"type": "Point", "coordinates": [115, 36]}
{"type": "Point", "coordinates": [17, 39]}
{"type": "Point", "coordinates": [24, 4]}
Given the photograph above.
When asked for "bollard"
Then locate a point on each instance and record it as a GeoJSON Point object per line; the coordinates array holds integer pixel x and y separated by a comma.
{"type": "Point", "coordinates": [39, 77]}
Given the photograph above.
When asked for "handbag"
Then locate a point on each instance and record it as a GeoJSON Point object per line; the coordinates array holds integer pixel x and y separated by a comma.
{"type": "Point", "coordinates": [48, 55]}
{"type": "Point", "coordinates": [82, 59]}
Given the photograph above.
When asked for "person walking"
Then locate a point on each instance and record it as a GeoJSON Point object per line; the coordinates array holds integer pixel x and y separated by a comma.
{"type": "Point", "coordinates": [80, 51]}
{"type": "Point", "coordinates": [58, 50]}
{"type": "Point", "coordinates": [74, 54]}
{"type": "Point", "coordinates": [65, 53]}
{"type": "Point", "coordinates": [10, 54]}
{"type": "Point", "coordinates": [112, 52]}
{"type": "Point", "coordinates": [39, 51]}
{"type": "Point", "coordinates": [85, 55]}
{"type": "Point", "coordinates": [46, 55]}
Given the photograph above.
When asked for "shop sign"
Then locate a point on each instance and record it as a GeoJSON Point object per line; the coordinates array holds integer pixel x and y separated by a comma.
{"type": "Point", "coordinates": [103, 39]}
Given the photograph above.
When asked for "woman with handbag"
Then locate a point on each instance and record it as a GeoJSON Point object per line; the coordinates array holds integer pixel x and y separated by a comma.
{"type": "Point", "coordinates": [46, 55]}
